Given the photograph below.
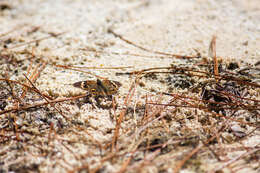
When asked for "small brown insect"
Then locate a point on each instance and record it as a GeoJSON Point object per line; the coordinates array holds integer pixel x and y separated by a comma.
{"type": "Point", "coordinates": [99, 88]}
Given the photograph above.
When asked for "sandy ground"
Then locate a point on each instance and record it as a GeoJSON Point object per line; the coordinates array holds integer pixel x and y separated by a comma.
{"type": "Point", "coordinates": [183, 27]}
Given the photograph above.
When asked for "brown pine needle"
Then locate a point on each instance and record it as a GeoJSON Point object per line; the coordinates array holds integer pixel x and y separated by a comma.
{"type": "Point", "coordinates": [25, 85]}
{"type": "Point", "coordinates": [75, 69]}
{"type": "Point", "coordinates": [28, 72]}
{"type": "Point", "coordinates": [36, 41]}
{"type": "Point", "coordinates": [194, 151]}
{"type": "Point", "coordinates": [212, 53]}
{"type": "Point", "coordinates": [26, 107]}
{"type": "Point", "coordinates": [101, 68]}
{"type": "Point", "coordinates": [12, 30]}
{"type": "Point", "coordinates": [38, 92]}
{"type": "Point", "coordinates": [148, 50]}
{"type": "Point", "coordinates": [121, 117]}
{"type": "Point", "coordinates": [235, 159]}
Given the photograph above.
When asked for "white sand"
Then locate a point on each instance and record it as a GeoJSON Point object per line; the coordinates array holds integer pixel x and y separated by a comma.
{"type": "Point", "coordinates": [182, 27]}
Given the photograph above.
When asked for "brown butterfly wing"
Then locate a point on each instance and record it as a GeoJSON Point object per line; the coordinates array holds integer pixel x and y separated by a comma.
{"type": "Point", "coordinates": [101, 88]}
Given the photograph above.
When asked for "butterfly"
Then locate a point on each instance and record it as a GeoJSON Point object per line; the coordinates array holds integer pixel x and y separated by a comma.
{"type": "Point", "coordinates": [99, 87]}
